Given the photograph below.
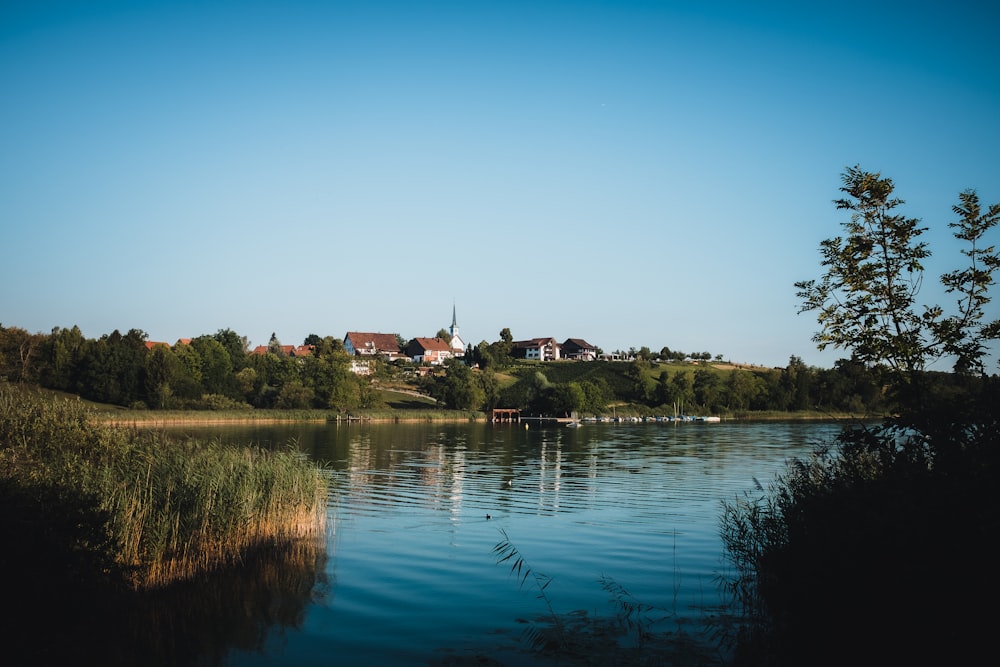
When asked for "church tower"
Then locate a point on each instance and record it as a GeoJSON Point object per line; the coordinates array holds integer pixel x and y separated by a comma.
{"type": "Point", "coordinates": [457, 344]}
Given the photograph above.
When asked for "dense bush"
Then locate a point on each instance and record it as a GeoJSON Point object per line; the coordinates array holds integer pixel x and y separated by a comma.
{"type": "Point", "coordinates": [878, 547]}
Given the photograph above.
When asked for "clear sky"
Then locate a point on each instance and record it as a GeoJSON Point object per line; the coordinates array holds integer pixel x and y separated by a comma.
{"type": "Point", "coordinates": [630, 173]}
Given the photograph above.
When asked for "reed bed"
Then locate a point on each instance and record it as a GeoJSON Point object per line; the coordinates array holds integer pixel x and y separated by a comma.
{"type": "Point", "coordinates": [171, 510]}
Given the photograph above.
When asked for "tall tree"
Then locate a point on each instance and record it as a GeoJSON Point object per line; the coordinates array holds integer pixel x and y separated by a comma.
{"type": "Point", "coordinates": [158, 377]}
{"type": "Point", "coordinates": [274, 345]}
{"type": "Point", "coordinates": [236, 345]}
{"type": "Point", "coordinates": [19, 350]}
{"type": "Point", "coordinates": [706, 388]}
{"type": "Point", "coordinates": [216, 367]}
{"type": "Point", "coordinates": [964, 334]}
{"type": "Point", "coordinates": [867, 297]}
{"type": "Point", "coordinates": [795, 384]}
{"type": "Point", "coordinates": [681, 389]}
{"type": "Point", "coordinates": [742, 389]}
{"type": "Point", "coordinates": [60, 357]}
{"type": "Point", "coordinates": [460, 390]}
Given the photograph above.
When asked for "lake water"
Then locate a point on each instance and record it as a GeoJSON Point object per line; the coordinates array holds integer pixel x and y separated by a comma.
{"type": "Point", "coordinates": [410, 575]}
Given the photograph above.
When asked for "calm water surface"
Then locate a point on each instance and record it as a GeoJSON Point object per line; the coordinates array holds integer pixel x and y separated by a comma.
{"type": "Point", "coordinates": [415, 512]}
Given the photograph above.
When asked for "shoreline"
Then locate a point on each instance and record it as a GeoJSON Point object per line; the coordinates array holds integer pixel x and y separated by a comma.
{"type": "Point", "coordinates": [201, 420]}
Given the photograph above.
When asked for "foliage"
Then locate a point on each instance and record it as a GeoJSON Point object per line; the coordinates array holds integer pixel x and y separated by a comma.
{"type": "Point", "coordinates": [867, 297]}
{"type": "Point", "coordinates": [215, 372]}
{"type": "Point", "coordinates": [493, 356]}
{"type": "Point", "coordinates": [861, 541]}
{"type": "Point", "coordinates": [459, 388]}
{"type": "Point", "coordinates": [158, 511]}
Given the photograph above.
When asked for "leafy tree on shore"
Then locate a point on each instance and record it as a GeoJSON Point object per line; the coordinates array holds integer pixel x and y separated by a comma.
{"type": "Point", "coordinates": [60, 356]}
{"type": "Point", "coordinates": [681, 390]}
{"type": "Point", "coordinates": [852, 543]}
{"type": "Point", "coordinates": [236, 345]}
{"type": "Point", "coordinates": [867, 298]}
{"type": "Point", "coordinates": [216, 366]}
{"type": "Point", "coordinates": [707, 388]}
{"type": "Point", "coordinates": [19, 352]}
{"type": "Point", "coordinates": [742, 389]}
{"type": "Point", "coordinates": [458, 389]}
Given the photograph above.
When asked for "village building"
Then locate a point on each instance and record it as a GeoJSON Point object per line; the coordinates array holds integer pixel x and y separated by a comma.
{"type": "Point", "coordinates": [433, 351]}
{"type": "Point", "coordinates": [364, 348]}
{"type": "Point", "coordinates": [537, 349]}
{"type": "Point", "coordinates": [457, 344]}
{"type": "Point", "coordinates": [578, 349]}
{"type": "Point", "coordinates": [359, 344]}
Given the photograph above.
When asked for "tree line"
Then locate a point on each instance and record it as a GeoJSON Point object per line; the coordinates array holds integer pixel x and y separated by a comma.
{"type": "Point", "coordinates": [217, 371]}
{"type": "Point", "coordinates": [212, 371]}
{"type": "Point", "coordinates": [652, 387]}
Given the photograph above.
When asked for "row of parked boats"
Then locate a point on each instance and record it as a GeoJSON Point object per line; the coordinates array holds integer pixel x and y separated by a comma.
{"type": "Point", "coordinates": [675, 418]}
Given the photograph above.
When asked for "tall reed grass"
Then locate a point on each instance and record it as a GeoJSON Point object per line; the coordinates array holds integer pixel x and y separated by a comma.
{"type": "Point", "coordinates": [171, 511]}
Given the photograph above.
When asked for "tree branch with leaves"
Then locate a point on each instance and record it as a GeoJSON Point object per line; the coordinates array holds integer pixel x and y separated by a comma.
{"type": "Point", "coordinates": [866, 299]}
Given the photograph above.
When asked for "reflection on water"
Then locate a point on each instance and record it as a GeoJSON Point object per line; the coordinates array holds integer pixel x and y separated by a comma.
{"type": "Point", "coordinates": [197, 623]}
{"type": "Point", "coordinates": [417, 509]}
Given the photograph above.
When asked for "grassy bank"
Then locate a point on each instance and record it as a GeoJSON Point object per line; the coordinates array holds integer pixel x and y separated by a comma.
{"type": "Point", "coordinates": [155, 418]}
{"type": "Point", "coordinates": [130, 506]}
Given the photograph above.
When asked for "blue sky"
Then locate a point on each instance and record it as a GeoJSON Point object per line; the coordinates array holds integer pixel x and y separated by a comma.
{"type": "Point", "coordinates": [630, 173]}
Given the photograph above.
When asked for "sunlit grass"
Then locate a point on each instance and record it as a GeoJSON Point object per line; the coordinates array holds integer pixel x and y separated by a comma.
{"type": "Point", "coordinates": [170, 510]}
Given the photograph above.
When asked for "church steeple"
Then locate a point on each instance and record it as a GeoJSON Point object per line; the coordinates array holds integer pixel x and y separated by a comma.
{"type": "Point", "coordinates": [457, 344]}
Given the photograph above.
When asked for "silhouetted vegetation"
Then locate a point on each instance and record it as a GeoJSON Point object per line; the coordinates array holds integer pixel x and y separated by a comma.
{"type": "Point", "coordinates": [877, 549]}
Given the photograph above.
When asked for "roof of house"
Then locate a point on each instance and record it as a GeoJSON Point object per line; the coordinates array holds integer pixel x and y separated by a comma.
{"type": "Point", "coordinates": [534, 342]}
{"type": "Point", "coordinates": [287, 350]}
{"type": "Point", "coordinates": [150, 344]}
{"type": "Point", "coordinates": [379, 341]}
{"type": "Point", "coordinates": [432, 344]}
{"type": "Point", "coordinates": [580, 343]}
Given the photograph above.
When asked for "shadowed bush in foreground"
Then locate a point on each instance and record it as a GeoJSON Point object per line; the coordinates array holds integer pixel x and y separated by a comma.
{"type": "Point", "coordinates": [874, 549]}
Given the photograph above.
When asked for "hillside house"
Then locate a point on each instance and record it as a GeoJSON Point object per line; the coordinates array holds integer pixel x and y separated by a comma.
{"type": "Point", "coordinates": [578, 349]}
{"type": "Point", "coordinates": [431, 351]}
{"type": "Point", "coordinates": [538, 349]}
{"type": "Point", "coordinates": [359, 344]}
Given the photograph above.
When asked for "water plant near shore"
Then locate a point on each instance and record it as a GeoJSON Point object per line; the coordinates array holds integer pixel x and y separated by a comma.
{"type": "Point", "coordinates": [161, 511]}
{"type": "Point", "coordinates": [634, 635]}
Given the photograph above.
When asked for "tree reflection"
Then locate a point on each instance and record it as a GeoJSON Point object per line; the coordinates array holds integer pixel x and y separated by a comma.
{"type": "Point", "coordinates": [195, 622]}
